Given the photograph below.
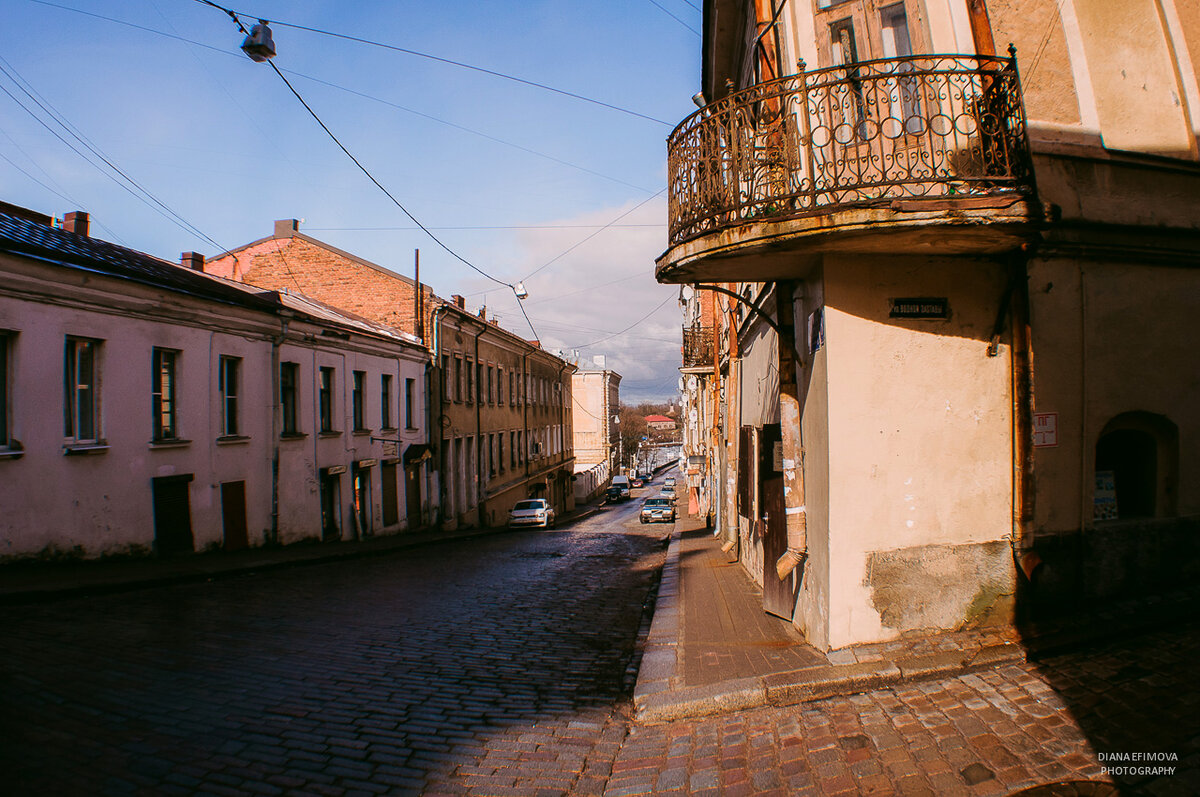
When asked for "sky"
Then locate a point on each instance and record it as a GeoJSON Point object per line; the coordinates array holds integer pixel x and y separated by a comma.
{"type": "Point", "coordinates": [523, 182]}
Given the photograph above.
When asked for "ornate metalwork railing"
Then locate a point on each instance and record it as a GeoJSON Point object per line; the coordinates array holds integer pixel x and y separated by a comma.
{"type": "Point", "coordinates": [697, 347]}
{"type": "Point", "coordinates": [870, 132]}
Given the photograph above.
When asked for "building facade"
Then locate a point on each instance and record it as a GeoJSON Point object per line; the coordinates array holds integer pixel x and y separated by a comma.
{"type": "Point", "coordinates": [499, 410]}
{"type": "Point", "coordinates": [148, 407]}
{"type": "Point", "coordinates": [597, 396]}
{"type": "Point", "coordinates": [894, 240]}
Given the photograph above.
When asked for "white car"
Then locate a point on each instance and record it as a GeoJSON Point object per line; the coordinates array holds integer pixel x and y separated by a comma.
{"type": "Point", "coordinates": [532, 512]}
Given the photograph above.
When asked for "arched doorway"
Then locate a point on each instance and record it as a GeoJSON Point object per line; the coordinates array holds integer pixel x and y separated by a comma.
{"type": "Point", "coordinates": [1137, 459]}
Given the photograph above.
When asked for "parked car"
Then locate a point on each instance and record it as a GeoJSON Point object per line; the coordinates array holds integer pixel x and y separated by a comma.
{"type": "Point", "coordinates": [670, 482]}
{"type": "Point", "coordinates": [635, 482]}
{"type": "Point", "coordinates": [658, 509]}
{"type": "Point", "coordinates": [667, 492]}
{"type": "Point", "coordinates": [623, 483]}
{"type": "Point", "coordinates": [613, 494]}
{"type": "Point", "coordinates": [532, 512]}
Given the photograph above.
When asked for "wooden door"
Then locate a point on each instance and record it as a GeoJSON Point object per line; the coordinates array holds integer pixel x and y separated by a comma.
{"type": "Point", "coordinates": [779, 597]}
{"type": "Point", "coordinates": [233, 515]}
{"type": "Point", "coordinates": [172, 515]}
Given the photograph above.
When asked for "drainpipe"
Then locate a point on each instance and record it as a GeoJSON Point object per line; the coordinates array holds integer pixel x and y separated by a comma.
{"type": "Point", "coordinates": [435, 435]}
{"type": "Point", "coordinates": [981, 27]}
{"type": "Point", "coordinates": [481, 515]}
{"type": "Point", "coordinates": [793, 439]}
{"type": "Point", "coordinates": [276, 419]}
{"type": "Point", "coordinates": [1022, 385]}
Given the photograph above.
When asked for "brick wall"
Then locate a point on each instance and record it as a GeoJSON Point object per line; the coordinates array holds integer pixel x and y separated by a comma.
{"type": "Point", "coordinates": [301, 266]}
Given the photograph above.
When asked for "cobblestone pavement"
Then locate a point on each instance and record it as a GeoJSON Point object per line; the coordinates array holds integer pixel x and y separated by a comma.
{"type": "Point", "coordinates": [498, 664]}
{"type": "Point", "coordinates": [994, 732]}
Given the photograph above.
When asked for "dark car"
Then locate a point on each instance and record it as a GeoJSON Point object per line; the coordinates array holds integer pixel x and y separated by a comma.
{"type": "Point", "coordinates": [614, 494]}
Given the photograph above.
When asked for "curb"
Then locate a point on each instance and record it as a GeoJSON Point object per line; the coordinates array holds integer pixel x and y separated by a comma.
{"type": "Point", "coordinates": [660, 695]}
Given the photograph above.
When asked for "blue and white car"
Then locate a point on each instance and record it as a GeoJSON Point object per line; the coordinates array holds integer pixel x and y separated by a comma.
{"type": "Point", "coordinates": [532, 512]}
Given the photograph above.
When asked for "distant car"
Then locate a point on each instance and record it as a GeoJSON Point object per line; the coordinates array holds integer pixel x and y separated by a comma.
{"type": "Point", "coordinates": [623, 483]}
{"type": "Point", "coordinates": [670, 482]}
{"type": "Point", "coordinates": [647, 478]}
{"type": "Point", "coordinates": [667, 492]}
{"type": "Point", "coordinates": [658, 510]}
{"type": "Point", "coordinates": [532, 512]}
{"type": "Point", "coordinates": [635, 482]}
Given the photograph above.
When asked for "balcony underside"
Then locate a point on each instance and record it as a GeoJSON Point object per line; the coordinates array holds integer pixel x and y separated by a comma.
{"type": "Point", "coordinates": [762, 251]}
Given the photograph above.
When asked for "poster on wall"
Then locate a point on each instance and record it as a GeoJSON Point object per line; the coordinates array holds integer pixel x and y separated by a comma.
{"type": "Point", "coordinates": [816, 330]}
{"type": "Point", "coordinates": [1106, 496]}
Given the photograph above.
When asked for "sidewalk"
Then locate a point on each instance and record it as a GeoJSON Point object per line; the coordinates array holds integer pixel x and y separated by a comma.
{"type": "Point", "coordinates": [28, 582]}
{"type": "Point", "coordinates": [712, 649]}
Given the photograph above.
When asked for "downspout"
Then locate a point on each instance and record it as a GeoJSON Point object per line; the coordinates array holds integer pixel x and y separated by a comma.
{"type": "Point", "coordinates": [480, 514]}
{"type": "Point", "coordinates": [276, 419]}
{"type": "Point", "coordinates": [793, 438]}
{"type": "Point", "coordinates": [439, 312]}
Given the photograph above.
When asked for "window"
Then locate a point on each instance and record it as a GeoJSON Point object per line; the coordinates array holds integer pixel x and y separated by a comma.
{"type": "Point", "coordinates": [359, 382]}
{"type": "Point", "coordinates": [445, 377]}
{"type": "Point", "coordinates": [81, 421]}
{"type": "Point", "coordinates": [512, 449]}
{"type": "Point", "coordinates": [470, 380]}
{"type": "Point", "coordinates": [491, 454]}
{"type": "Point", "coordinates": [479, 382]}
{"type": "Point", "coordinates": [325, 395]}
{"type": "Point", "coordinates": [491, 385]}
{"type": "Point", "coordinates": [410, 402]}
{"type": "Point", "coordinates": [5, 400]}
{"type": "Point", "coordinates": [227, 379]}
{"type": "Point", "coordinates": [499, 385]}
{"type": "Point", "coordinates": [512, 395]}
{"type": "Point", "coordinates": [288, 380]}
{"type": "Point", "coordinates": [458, 379]}
{"type": "Point", "coordinates": [164, 363]}
{"type": "Point", "coordinates": [385, 401]}
{"type": "Point", "coordinates": [500, 451]}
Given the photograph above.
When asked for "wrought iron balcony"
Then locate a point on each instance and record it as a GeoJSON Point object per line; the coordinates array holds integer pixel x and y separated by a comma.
{"type": "Point", "coordinates": [697, 347]}
{"type": "Point", "coordinates": [867, 134]}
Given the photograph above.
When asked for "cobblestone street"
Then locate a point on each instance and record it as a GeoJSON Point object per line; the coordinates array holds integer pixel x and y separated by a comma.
{"type": "Point", "coordinates": [439, 665]}
{"type": "Point", "coordinates": [994, 732]}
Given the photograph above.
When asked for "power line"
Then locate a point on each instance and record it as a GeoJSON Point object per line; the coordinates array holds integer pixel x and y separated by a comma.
{"type": "Point", "coordinates": [483, 227]}
{"type": "Point", "coordinates": [355, 92]}
{"type": "Point", "coordinates": [142, 193]}
{"type": "Point", "coordinates": [593, 235]}
{"type": "Point", "coordinates": [626, 329]}
{"type": "Point", "coordinates": [451, 62]}
{"type": "Point", "coordinates": [672, 16]}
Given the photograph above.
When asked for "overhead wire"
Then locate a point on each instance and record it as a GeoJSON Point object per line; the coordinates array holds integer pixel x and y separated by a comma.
{"type": "Point", "coordinates": [626, 329]}
{"type": "Point", "coordinates": [664, 9]}
{"type": "Point", "coordinates": [449, 61]}
{"type": "Point", "coordinates": [126, 182]}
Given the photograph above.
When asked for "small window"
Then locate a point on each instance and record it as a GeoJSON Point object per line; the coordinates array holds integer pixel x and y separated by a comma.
{"type": "Point", "coordinates": [458, 379]}
{"type": "Point", "coordinates": [81, 422]}
{"type": "Point", "coordinates": [410, 403]}
{"type": "Point", "coordinates": [500, 451]}
{"type": "Point", "coordinates": [385, 401]}
{"type": "Point", "coordinates": [446, 377]}
{"type": "Point", "coordinates": [164, 364]}
{"type": "Point", "coordinates": [512, 448]}
{"type": "Point", "coordinates": [358, 400]}
{"type": "Point", "coordinates": [470, 368]}
{"type": "Point", "coordinates": [289, 374]}
{"type": "Point", "coordinates": [227, 378]}
{"type": "Point", "coordinates": [325, 398]}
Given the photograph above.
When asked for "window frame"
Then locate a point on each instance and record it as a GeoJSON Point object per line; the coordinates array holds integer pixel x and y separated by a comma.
{"type": "Point", "coordinates": [358, 401]}
{"type": "Point", "coordinates": [6, 402]}
{"type": "Point", "coordinates": [163, 406]}
{"type": "Point", "coordinates": [326, 377]}
{"type": "Point", "coordinates": [289, 398]}
{"type": "Point", "coordinates": [229, 370]}
{"type": "Point", "coordinates": [385, 401]}
{"type": "Point", "coordinates": [73, 403]}
{"type": "Point", "coordinates": [410, 402]}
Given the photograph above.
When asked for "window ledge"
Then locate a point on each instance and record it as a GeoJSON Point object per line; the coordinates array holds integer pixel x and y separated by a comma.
{"type": "Point", "coordinates": [360, 432]}
{"type": "Point", "coordinates": [329, 434]}
{"type": "Point", "coordinates": [11, 452]}
{"type": "Point", "coordinates": [233, 440]}
{"type": "Point", "coordinates": [293, 436]}
{"type": "Point", "coordinates": [387, 428]}
{"type": "Point", "coordinates": [410, 429]}
{"type": "Point", "coordinates": [172, 443]}
{"type": "Point", "coordinates": [79, 449]}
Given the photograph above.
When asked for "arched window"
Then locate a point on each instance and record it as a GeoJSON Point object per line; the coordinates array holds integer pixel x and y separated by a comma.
{"type": "Point", "coordinates": [1137, 459]}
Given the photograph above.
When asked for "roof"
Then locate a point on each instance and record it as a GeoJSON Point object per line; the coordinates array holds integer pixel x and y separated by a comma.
{"type": "Point", "coordinates": [659, 419]}
{"type": "Point", "coordinates": [25, 238]}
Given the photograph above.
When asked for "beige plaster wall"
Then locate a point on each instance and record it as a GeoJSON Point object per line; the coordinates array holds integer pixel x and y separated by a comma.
{"type": "Point", "coordinates": [1135, 80]}
{"type": "Point", "coordinates": [920, 455]}
{"type": "Point", "coordinates": [1035, 27]}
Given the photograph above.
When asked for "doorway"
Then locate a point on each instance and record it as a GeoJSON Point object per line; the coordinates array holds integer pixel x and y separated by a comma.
{"type": "Point", "coordinates": [172, 515]}
{"type": "Point", "coordinates": [233, 515]}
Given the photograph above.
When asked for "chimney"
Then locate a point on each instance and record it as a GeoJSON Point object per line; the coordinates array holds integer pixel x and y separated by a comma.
{"type": "Point", "coordinates": [286, 228]}
{"type": "Point", "coordinates": [459, 302]}
{"type": "Point", "coordinates": [77, 222]}
{"type": "Point", "coordinates": [192, 260]}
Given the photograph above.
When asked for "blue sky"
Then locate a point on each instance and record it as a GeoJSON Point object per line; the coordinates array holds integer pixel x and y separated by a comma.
{"type": "Point", "coordinates": [509, 176]}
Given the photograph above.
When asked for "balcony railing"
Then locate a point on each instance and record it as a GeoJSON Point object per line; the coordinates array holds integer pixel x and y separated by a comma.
{"type": "Point", "coordinates": [858, 135]}
{"type": "Point", "coordinates": [697, 347]}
